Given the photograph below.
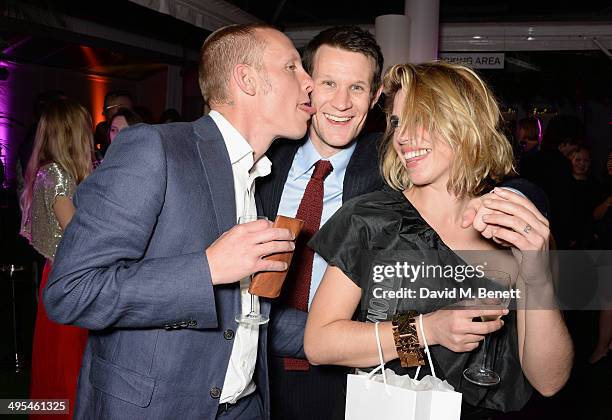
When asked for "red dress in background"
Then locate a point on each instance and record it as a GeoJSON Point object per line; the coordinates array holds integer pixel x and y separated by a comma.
{"type": "Point", "coordinates": [57, 349]}
{"type": "Point", "coordinates": [56, 356]}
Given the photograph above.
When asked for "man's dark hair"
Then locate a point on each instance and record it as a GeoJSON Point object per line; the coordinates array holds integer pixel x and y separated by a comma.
{"type": "Point", "coordinates": [116, 94]}
{"type": "Point", "coordinates": [131, 117]}
{"type": "Point", "coordinates": [351, 38]}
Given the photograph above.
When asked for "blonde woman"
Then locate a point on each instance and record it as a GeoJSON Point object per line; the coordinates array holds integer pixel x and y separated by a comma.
{"type": "Point", "coordinates": [61, 159]}
{"type": "Point", "coordinates": [443, 147]}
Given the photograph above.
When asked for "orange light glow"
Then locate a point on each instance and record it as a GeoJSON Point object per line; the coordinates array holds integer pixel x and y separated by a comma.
{"type": "Point", "coordinates": [97, 86]}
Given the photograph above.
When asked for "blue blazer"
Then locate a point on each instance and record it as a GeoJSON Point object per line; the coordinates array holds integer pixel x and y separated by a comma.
{"type": "Point", "coordinates": [132, 269]}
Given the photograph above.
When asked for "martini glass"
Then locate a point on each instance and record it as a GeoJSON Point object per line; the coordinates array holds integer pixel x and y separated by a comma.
{"type": "Point", "coordinates": [501, 282]}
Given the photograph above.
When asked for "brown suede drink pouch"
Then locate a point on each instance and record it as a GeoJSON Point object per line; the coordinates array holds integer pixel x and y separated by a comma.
{"type": "Point", "coordinates": [269, 283]}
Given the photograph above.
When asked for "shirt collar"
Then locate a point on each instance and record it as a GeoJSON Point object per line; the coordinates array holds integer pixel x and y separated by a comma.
{"type": "Point", "coordinates": [262, 167]}
{"type": "Point", "coordinates": [307, 155]}
{"type": "Point", "coordinates": [238, 148]}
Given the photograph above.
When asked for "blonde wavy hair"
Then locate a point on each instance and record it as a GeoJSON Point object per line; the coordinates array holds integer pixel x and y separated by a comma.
{"type": "Point", "coordinates": [452, 102]}
{"type": "Point", "coordinates": [64, 136]}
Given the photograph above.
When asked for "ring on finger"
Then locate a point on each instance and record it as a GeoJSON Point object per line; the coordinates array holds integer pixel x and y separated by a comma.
{"type": "Point", "coordinates": [527, 228]}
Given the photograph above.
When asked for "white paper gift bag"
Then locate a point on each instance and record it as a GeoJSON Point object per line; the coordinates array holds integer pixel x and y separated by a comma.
{"type": "Point", "coordinates": [367, 399]}
{"type": "Point", "coordinates": [438, 405]}
{"type": "Point", "coordinates": [387, 396]}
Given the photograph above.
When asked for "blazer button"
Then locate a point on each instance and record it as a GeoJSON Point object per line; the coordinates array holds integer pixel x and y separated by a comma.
{"type": "Point", "coordinates": [228, 334]}
{"type": "Point", "coordinates": [215, 392]}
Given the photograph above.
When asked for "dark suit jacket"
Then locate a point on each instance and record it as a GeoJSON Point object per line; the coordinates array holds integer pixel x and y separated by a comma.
{"type": "Point", "coordinates": [132, 269]}
{"type": "Point", "coordinates": [362, 176]}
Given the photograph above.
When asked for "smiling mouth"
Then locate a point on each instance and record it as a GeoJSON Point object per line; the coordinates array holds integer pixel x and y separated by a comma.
{"type": "Point", "coordinates": [416, 153]}
{"type": "Point", "coordinates": [337, 119]}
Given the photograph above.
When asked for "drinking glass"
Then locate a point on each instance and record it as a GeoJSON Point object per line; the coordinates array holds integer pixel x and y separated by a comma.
{"type": "Point", "coordinates": [254, 317]}
{"type": "Point", "coordinates": [500, 282]}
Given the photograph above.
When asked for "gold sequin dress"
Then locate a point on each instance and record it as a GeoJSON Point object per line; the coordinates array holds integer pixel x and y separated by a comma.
{"type": "Point", "coordinates": [57, 349]}
{"type": "Point", "coordinates": [41, 227]}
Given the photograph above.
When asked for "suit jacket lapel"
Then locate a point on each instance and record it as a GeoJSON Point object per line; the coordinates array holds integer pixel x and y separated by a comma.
{"type": "Point", "coordinates": [218, 169]}
{"type": "Point", "coordinates": [362, 174]}
{"type": "Point", "coordinates": [270, 188]}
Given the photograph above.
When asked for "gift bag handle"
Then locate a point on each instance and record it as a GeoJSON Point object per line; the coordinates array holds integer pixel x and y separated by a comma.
{"type": "Point", "coordinates": [431, 366]}
{"type": "Point", "coordinates": [381, 366]}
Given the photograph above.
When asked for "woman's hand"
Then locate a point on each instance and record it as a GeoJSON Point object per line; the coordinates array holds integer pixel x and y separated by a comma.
{"type": "Point", "coordinates": [518, 223]}
{"type": "Point", "coordinates": [455, 330]}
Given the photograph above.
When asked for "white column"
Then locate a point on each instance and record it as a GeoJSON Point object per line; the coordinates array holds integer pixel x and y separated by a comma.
{"type": "Point", "coordinates": [174, 88]}
{"type": "Point", "coordinates": [424, 26]}
{"type": "Point", "coordinates": [393, 36]}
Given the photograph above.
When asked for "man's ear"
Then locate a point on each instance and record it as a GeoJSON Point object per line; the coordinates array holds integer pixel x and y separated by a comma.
{"type": "Point", "coordinates": [244, 78]}
{"type": "Point", "coordinates": [376, 96]}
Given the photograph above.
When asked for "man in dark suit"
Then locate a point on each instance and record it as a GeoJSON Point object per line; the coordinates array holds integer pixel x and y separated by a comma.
{"type": "Point", "coordinates": [152, 262]}
{"type": "Point", "coordinates": [345, 64]}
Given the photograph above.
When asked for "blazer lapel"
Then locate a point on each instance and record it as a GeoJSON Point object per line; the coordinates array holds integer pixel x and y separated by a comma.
{"type": "Point", "coordinates": [218, 169]}
{"type": "Point", "coordinates": [362, 173]}
{"type": "Point", "coordinates": [270, 188]}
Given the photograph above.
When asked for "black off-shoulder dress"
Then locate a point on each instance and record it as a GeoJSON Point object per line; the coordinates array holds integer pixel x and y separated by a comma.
{"type": "Point", "coordinates": [382, 228]}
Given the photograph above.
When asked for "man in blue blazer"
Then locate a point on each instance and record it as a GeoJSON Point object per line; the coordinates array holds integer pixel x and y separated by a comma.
{"type": "Point", "coordinates": [152, 262]}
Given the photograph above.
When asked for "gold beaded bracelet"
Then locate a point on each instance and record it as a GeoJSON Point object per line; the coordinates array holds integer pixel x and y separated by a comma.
{"type": "Point", "coordinates": [407, 340]}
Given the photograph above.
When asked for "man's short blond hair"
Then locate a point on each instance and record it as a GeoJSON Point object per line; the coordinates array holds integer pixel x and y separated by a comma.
{"type": "Point", "coordinates": [224, 49]}
{"type": "Point", "coordinates": [453, 103]}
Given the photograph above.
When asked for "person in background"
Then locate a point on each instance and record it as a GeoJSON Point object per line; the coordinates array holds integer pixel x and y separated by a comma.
{"type": "Point", "coordinates": [123, 118]}
{"type": "Point", "coordinates": [602, 213]}
{"type": "Point", "coordinates": [584, 200]}
{"type": "Point", "coordinates": [551, 170]}
{"type": "Point", "coordinates": [443, 146]}
{"type": "Point", "coordinates": [528, 137]}
{"type": "Point", "coordinates": [603, 231]}
{"type": "Point", "coordinates": [581, 163]}
{"type": "Point", "coordinates": [113, 101]}
{"type": "Point", "coordinates": [27, 145]}
{"type": "Point", "coordinates": [61, 159]}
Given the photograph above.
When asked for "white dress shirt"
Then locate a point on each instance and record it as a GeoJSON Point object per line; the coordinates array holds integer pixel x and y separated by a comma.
{"type": "Point", "coordinates": [239, 377]}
